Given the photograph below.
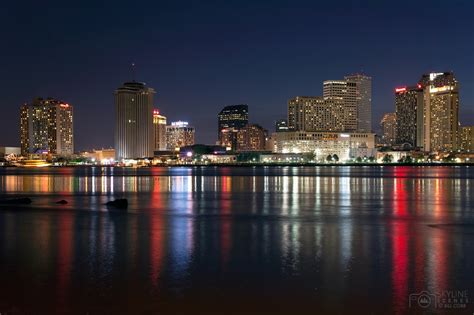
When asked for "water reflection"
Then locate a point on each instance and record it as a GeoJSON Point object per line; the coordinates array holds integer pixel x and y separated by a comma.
{"type": "Point", "coordinates": [319, 238]}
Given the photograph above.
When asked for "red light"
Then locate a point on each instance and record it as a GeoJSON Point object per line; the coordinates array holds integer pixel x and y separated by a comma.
{"type": "Point", "coordinates": [156, 112]}
{"type": "Point", "coordinates": [399, 90]}
{"type": "Point", "coordinates": [419, 85]}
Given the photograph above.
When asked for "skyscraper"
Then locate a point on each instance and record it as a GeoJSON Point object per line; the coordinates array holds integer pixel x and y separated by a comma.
{"type": "Point", "coordinates": [467, 138]}
{"type": "Point", "coordinates": [341, 99]}
{"type": "Point", "coordinates": [230, 120]}
{"type": "Point", "coordinates": [46, 126]}
{"type": "Point", "coordinates": [409, 116]}
{"type": "Point", "coordinates": [363, 101]}
{"type": "Point", "coordinates": [440, 111]}
{"type": "Point", "coordinates": [159, 131]}
{"type": "Point", "coordinates": [179, 134]}
{"type": "Point", "coordinates": [251, 138]}
{"type": "Point", "coordinates": [134, 121]}
{"type": "Point", "coordinates": [389, 127]}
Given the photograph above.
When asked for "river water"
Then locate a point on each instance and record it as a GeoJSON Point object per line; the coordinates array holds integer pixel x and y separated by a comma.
{"type": "Point", "coordinates": [238, 240]}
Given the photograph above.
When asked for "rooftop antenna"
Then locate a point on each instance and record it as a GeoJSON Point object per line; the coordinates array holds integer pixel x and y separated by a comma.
{"type": "Point", "coordinates": [133, 71]}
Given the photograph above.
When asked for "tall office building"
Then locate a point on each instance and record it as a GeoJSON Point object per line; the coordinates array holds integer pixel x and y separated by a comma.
{"type": "Point", "coordinates": [229, 121]}
{"type": "Point", "coordinates": [179, 134]}
{"type": "Point", "coordinates": [341, 99]}
{"type": "Point", "coordinates": [440, 111]}
{"type": "Point", "coordinates": [389, 127]}
{"type": "Point", "coordinates": [134, 121]}
{"type": "Point", "coordinates": [363, 101]}
{"type": "Point", "coordinates": [159, 131]}
{"type": "Point", "coordinates": [251, 138]}
{"type": "Point", "coordinates": [46, 126]}
{"type": "Point", "coordinates": [409, 114]}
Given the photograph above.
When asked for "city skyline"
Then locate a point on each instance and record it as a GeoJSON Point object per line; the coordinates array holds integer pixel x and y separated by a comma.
{"type": "Point", "coordinates": [190, 87]}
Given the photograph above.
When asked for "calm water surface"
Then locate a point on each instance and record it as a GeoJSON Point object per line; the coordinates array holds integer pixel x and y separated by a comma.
{"type": "Point", "coordinates": [297, 240]}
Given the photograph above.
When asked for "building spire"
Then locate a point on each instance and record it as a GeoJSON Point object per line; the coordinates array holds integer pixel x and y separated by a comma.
{"type": "Point", "coordinates": [133, 70]}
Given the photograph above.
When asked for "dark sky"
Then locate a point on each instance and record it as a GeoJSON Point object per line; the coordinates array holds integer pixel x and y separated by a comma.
{"type": "Point", "coordinates": [200, 56]}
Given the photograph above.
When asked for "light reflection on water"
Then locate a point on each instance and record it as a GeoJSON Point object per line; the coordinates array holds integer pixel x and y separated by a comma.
{"type": "Point", "coordinates": [323, 239]}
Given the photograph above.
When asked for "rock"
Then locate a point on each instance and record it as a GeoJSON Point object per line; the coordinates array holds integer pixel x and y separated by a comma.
{"type": "Point", "coordinates": [118, 203]}
{"type": "Point", "coordinates": [16, 201]}
{"type": "Point", "coordinates": [61, 202]}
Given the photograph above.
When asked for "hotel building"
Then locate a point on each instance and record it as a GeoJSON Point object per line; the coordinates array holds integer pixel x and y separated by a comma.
{"type": "Point", "coordinates": [229, 121]}
{"type": "Point", "coordinates": [46, 127]}
{"type": "Point", "coordinates": [179, 134]}
{"type": "Point", "coordinates": [159, 131]}
{"type": "Point", "coordinates": [251, 138]}
{"type": "Point", "coordinates": [409, 116]}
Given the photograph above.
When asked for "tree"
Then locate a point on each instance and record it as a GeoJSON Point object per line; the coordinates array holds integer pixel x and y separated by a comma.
{"type": "Point", "coordinates": [335, 157]}
{"type": "Point", "coordinates": [329, 158]}
{"type": "Point", "coordinates": [372, 159]}
{"type": "Point", "coordinates": [359, 159]}
{"type": "Point", "coordinates": [387, 158]}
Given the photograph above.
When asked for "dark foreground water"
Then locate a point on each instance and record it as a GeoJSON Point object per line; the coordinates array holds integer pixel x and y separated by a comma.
{"type": "Point", "coordinates": [270, 240]}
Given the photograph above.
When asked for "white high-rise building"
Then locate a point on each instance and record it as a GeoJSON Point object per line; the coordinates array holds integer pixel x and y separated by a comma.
{"type": "Point", "coordinates": [363, 101]}
{"type": "Point", "coordinates": [341, 98]}
{"type": "Point", "coordinates": [134, 136]}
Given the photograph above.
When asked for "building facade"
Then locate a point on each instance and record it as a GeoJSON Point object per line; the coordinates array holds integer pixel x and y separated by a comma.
{"type": "Point", "coordinates": [389, 128]}
{"type": "Point", "coordinates": [159, 131]}
{"type": "Point", "coordinates": [251, 138]}
{"type": "Point", "coordinates": [134, 121]}
{"type": "Point", "coordinates": [363, 101]}
{"type": "Point", "coordinates": [340, 98]}
{"type": "Point", "coordinates": [467, 139]}
{"type": "Point", "coordinates": [440, 111]}
{"type": "Point", "coordinates": [46, 126]}
{"type": "Point", "coordinates": [308, 113]}
{"type": "Point", "coordinates": [179, 134]}
{"type": "Point", "coordinates": [322, 144]}
{"type": "Point", "coordinates": [229, 121]}
{"type": "Point", "coordinates": [409, 114]}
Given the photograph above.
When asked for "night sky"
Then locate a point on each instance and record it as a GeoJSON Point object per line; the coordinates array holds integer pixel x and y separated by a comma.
{"type": "Point", "coordinates": [200, 57]}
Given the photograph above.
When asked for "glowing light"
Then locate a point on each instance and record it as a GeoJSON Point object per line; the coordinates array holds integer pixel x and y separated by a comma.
{"type": "Point", "coordinates": [179, 123]}
{"type": "Point", "coordinates": [189, 154]}
{"type": "Point", "coordinates": [344, 135]}
{"type": "Point", "coordinates": [401, 89]}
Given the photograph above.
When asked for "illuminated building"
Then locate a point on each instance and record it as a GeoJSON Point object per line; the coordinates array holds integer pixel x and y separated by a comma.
{"type": "Point", "coordinates": [389, 127]}
{"type": "Point", "coordinates": [467, 139]}
{"type": "Point", "coordinates": [322, 144]}
{"type": "Point", "coordinates": [134, 121]}
{"type": "Point", "coordinates": [340, 98]}
{"type": "Point", "coordinates": [409, 115]}
{"type": "Point", "coordinates": [102, 156]}
{"type": "Point", "coordinates": [46, 126]}
{"type": "Point", "coordinates": [363, 101]}
{"type": "Point", "coordinates": [251, 138]}
{"type": "Point", "coordinates": [281, 125]}
{"type": "Point", "coordinates": [440, 111]}
{"type": "Point", "coordinates": [179, 134]}
{"type": "Point", "coordinates": [308, 113]}
{"type": "Point", "coordinates": [159, 131]}
{"type": "Point", "coordinates": [230, 120]}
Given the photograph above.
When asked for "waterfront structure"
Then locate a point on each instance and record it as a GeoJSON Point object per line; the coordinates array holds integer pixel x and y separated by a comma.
{"type": "Point", "coordinates": [440, 111]}
{"type": "Point", "coordinates": [101, 156]}
{"type": "Point", "coordinates": [363, 101]}
{"type": "Point", "coordinates": [322, 144]}
{"type": "Point", "coordinates": [281, 125]}
{"type": "Point", "coordinates": [179, 134]}
{"type": "Point", "coordinates": [134, 121]}
{"type": "Point", "coordinates": [159, 131]}
{"type": "Point", "coordinates": [409, 115]}
{"type": "Point", "coordinates": [10, 151]}
{"type": "Point", "coordinates": [389, 127]}
{"type": "Point", "coordinates": [467, 139]}
{"type": "Point", "coordinates": [46, 127]}
{"type": "Point", "coordinates": [251, 138]}
{"type": "Point", "coordinates": [229, 121]}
